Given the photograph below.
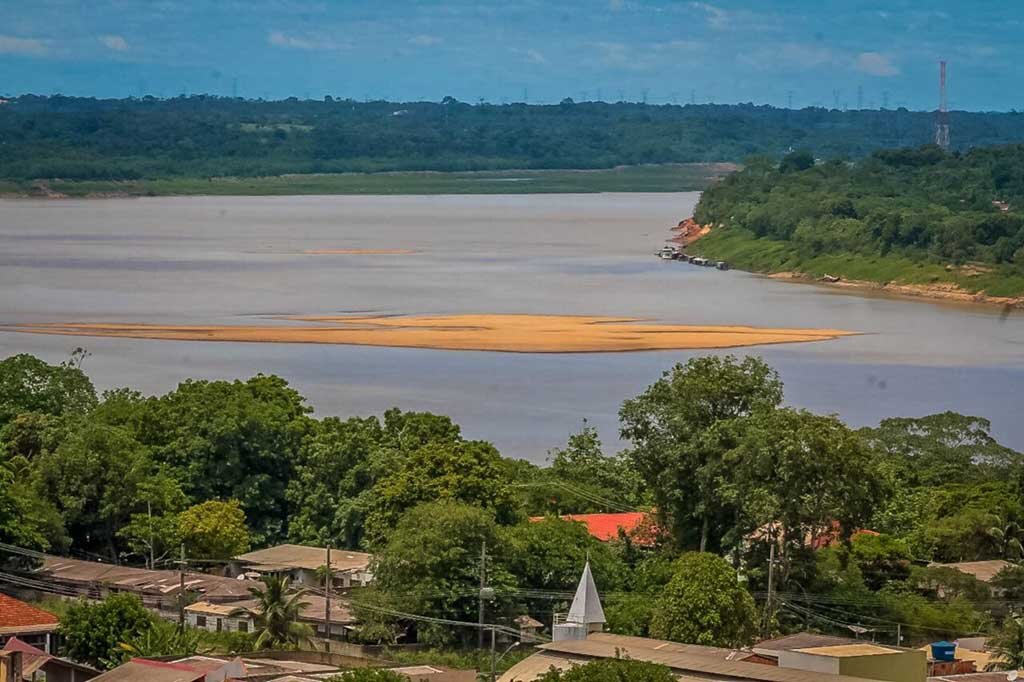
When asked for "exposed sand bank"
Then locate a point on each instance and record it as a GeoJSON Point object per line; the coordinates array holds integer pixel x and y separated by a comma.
{"type": "Point", "coordinates": [359, 252]}
{"type": "Point", "coordinates": [503, 333]}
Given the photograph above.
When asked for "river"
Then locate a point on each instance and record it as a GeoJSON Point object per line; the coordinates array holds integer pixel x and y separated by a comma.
{"type": "Point", "coordinates": [237, 260]}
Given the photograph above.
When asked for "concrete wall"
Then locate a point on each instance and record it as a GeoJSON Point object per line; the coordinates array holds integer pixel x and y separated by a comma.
{"type": "Point", "coordinates": [899, 666]}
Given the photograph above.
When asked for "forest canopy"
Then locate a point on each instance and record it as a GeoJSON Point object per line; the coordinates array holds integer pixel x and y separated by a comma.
{"type": "Point", "coordinates": [76, 138]}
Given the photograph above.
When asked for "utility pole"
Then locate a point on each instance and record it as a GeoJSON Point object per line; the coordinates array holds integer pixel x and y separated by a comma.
{"type": "Point", "coordinates": [771, 585]}
{"type": "Point", "coordinates": [181, 589]}
{"type": "Point", "coordinates": [899, 635]}
{"type": "Point", "coordinates": [327, 602]}
{"type": "Point", "coordinates": [149, 512]}
{"type": "Point", "coordinates": [483, 586]}
{"type": "Point", "coordinates": [494, 660]}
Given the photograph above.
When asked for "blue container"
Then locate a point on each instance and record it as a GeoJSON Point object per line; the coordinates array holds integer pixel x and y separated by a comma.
{"type": "Point", "coordinates": [944, 651]}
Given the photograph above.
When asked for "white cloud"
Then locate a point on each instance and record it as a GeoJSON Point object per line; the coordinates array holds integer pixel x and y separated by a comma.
{"type": "Point", "coordinates": [15, 45]}
{"type": "Point", "coordinates": [875, 64]}
{"type": "Point", "coordinates": [116, 43]}
{"type": "Point", "coordinates": [717, 17]}
{"type": "Point", "coordinates": [281, 39]}
{"type": "Point", "coordinates": [531, 55]}
{"type": "Point", "coordinates": [424, 40]}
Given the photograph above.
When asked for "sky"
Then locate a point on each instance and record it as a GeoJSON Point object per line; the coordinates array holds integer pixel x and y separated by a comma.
{"type": "Point", "coordinates": [780, 52]}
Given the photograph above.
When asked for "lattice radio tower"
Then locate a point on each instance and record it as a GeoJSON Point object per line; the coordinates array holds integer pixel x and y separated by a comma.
{"type": "Point", "coordinates": [942, 115]}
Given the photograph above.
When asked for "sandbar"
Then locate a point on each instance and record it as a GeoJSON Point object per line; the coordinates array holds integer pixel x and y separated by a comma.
{"type": "Point", "coordinates": [358, 252]}
{"type": "Point", "coordinates": [484, 332]}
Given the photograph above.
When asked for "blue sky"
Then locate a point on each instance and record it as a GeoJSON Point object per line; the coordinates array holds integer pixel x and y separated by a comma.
{"type": "Point", "coordinates": [816, 52]}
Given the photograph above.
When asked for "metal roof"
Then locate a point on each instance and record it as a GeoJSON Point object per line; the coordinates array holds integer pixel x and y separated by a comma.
{"type": "Point", "coordinates": [303, 556]}
{"type": "Point", "coordinates": [586, 605]}
{"type": "Point", "coordinates": [687, 662]}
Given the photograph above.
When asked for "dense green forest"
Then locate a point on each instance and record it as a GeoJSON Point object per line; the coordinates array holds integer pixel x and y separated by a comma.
{"type": "Point", "coordinates": [220, 466]}
{"type": "Point", "coordinates": [917, 216]}
{"type": "Point", "coordinates": [203, 136]}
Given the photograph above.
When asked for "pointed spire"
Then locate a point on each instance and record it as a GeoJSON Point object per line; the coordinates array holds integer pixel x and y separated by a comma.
{"type": "Point", "coordinates": [586, 605]}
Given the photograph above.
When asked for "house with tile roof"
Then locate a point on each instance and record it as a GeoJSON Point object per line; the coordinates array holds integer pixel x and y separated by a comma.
{"type": "Point", "coordinates": [26, 622]}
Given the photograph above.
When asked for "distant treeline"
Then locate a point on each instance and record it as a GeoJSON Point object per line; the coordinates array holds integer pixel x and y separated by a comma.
{"type": "Point", "coordinates": [199, 136]}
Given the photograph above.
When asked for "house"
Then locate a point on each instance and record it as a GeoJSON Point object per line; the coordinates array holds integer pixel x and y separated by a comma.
{"type": "Point", "coordinates": [158, 589]}
{"type": "Point", "coordinates": [639, 526]}
{"type": "Point", "coordinates": [30, 625]}
{"type": "Point", "coordinates": [863, 659]}
{"type": "Point", "coordinates": [578, 638]}
{"type": "Point", "coordinates": [984, 571]}
{"type": "Point", "coordinates": [267, 666]}
{"type": "Point", "coordinates": [301, 564]}
{"type": "Point", "coordinates": [37, 664]}
{"type": "Point", "coordinates": [226, 617]}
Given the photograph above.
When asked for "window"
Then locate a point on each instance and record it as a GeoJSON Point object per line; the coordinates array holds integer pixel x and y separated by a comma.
{"type": "Point", "coordinates": [200, 621]}
{"type": "Point", "coordinates": [243, 626]}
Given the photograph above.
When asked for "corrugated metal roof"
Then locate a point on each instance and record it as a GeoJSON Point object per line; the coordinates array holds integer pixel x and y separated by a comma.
{"type": "Point", "coordinates": [690, 663]}
{"type": "Point", "coordinates": [309, 558]}
{"type": "Point", "coordinates": [141, 580]}
{"type": "Point", "coordinates": [982, 570]}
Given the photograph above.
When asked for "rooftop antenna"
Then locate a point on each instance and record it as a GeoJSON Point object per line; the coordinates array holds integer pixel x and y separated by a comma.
{"type": "Point", "coordinates": [942, 115]}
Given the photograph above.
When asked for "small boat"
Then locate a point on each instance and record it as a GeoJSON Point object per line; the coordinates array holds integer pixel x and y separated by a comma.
{"type": "Point", "coordinates": [697, 260]}
{"type": "Point", "coordinates": [722, 265]}
{"type": "Point", "coordinates": [667, 253]}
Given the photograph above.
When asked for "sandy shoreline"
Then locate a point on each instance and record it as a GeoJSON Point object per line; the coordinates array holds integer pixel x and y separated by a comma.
{"type": "Point", "coordinates": [946, 291]}
{"type": "Point", "coordinates": [498, 333]}
{"type": "Point", "coordinates": [358, 252]}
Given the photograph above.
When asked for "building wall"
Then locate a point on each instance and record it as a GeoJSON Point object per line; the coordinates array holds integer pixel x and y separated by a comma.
{"type": "Point", "coordinates": [209, 623]}
{"type": "Point", "coordinates": [810, 662]}
{"type": "Point", "coordinates": [899, 666]}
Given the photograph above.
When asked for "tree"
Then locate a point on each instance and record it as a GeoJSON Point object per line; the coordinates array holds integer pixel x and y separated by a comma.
{"type": "Point", "coordinates": [669, 424]}
{"type": "Point", "coordinates": [96, 478]}
{"type": "Point", "coordinates": [93, 632]}
{"type": "Point", "coordinates": [550, 554]}
{"type": "Point", "coordinates": [940, 449]}
{"type": "Point", "coordinates": [230, 440]}
{"type": "Point", "coordinates": [276, 614]}
{"type": "Point", "coordinates": [582, 464]}
{"type": "Point", "coordinates": [1007, 539]}
{"type": "Point", "coordinates": [152, 530]}
{"type": "Point", "coordinates": [214, 529]}
{"type": "Point", "coordinates": [338, 462]}
{"type": "Point", "coordinates": [431, 563]}
{"type": "Point", "coordinates": [611, 670]}
{"type": "Point", "coordinates": [27, 384]}
{"type": "Point", "coordinates": [704, 604]}
{"type": "Point", "coordinates": [796, 161]}
{"type": "Point", "coordinates": [1007, 647]}
{"type": "Point", "coordinates": [162, 638]}
{"type": "Point", "coordinates": [802, 476]}
{"type": "Point", "coordinates": [26, 519]}
{"type": "Point", "coordinates": [462, 471]}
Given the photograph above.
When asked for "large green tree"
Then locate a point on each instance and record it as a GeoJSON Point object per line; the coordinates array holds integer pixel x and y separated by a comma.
{"type": "Point", "coordinates": [214, 529]}
{"type": "Point", "coordinates": [228, 440]}
{"type": "Point", "coordinates": [27, 384]}
{"type": "Point", "coordinates": [669, 426]}
{"type": "Point", "coordinates": [460, 471]}
{"type": "Point", "coordinates": [97, 478]}
{"type": "Point", "coordinates": [704, 603]}
{"type": "Point", "coordinates": [431, 562]}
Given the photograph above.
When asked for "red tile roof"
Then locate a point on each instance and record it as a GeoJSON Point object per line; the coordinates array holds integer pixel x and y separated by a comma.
{"type": "Point", "coordinates": [17, 614]}
{"type": "Point", "coordinates": [606, 527]}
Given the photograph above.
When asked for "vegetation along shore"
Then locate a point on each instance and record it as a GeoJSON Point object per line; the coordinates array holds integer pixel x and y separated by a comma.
{"type": "Point", "coordinates": [918, 222]}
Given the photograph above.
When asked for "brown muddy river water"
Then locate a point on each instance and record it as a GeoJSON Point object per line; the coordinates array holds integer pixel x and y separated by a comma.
{"type": "Point", "coordinates": [215, 262]}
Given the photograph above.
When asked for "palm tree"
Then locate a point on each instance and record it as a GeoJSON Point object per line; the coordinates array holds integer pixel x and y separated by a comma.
{"type": "Point", "coordinates": [1007, 538]}
{"type": "Point", "coordinates": [162, 639]}
{"type": "Point", "coordinates": [276, 614]}
{"type": "Point", "coordinates": [1007, 647]}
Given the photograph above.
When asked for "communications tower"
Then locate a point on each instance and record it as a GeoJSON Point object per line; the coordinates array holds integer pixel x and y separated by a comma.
{"type": "Point", "coordinates": [942, 115]}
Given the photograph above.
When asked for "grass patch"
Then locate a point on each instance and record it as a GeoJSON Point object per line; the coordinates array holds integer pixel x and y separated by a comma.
{"type": "Point", "coordinates": [653, 178]}
{"type": "Point", "coordinates": [741, 249]}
